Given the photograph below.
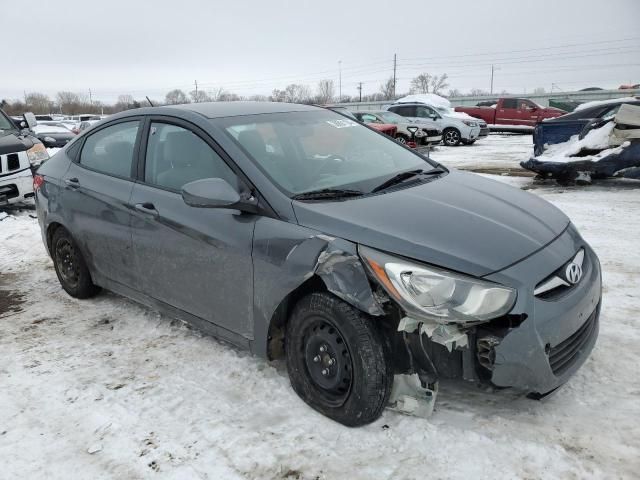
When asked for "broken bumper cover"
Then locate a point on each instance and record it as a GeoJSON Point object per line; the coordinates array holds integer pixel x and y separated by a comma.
{"type": "Point", "coordinates": [560, 328]}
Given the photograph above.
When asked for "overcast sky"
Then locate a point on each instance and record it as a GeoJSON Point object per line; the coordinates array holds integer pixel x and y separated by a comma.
{"type": "Point", "coordinates": [147, 48]}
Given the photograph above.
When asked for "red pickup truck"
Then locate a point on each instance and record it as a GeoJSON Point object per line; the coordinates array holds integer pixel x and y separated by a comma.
{"type": "Point", "coordinates": [512, 114]}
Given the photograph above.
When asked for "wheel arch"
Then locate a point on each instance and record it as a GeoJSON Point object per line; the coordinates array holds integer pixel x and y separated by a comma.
{"type": "Point", "coordinates": [284, 273]}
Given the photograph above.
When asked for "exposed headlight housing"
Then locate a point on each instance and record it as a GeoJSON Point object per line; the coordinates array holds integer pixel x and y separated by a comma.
{"type": "Point", "coordinates": [436, 294]}
{"type": "Point", "coordinates": [37, 154]}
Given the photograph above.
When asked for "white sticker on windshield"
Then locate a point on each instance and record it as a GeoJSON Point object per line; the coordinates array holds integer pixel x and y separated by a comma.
{"type": "Point", "coordinates": [342, 123]}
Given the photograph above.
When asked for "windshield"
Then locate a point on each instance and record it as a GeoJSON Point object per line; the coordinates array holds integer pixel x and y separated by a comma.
{"type": "Point", "coordinates": [393, 117]}
{"type": "Point", "coordinates": [307, 151]}
{"type": "Point", "coordinates": [6, 123]}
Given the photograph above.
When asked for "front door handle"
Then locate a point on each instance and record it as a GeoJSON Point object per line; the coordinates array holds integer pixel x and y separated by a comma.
{"type": "Point", "coordinates": [72, 182]}
{"type": "Point", "coordinates": [147, 207]}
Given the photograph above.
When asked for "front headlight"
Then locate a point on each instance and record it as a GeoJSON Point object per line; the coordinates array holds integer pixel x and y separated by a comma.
{"type": "Point", "coordinates": [469, 123]}
{"type": "Point", "coordinates": [37, 154]}
{"type": "Point", "coordinates": [437, 294]}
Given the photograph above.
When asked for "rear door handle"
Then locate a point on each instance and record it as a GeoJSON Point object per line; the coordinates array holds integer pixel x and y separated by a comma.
{"type": "Point", "coordinates": [147, 207]}
{"type": "Point", "coordinates": [72, 182]}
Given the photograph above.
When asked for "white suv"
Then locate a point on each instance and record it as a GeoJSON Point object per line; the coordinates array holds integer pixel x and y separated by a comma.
{"type": "Point", "coordinates": [20, 154]}
{"type": "Point", "coordinates": [456, 128]}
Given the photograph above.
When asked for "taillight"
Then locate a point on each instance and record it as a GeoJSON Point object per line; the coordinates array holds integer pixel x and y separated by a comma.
{"type": "Point", "coordinates": [38, 181]}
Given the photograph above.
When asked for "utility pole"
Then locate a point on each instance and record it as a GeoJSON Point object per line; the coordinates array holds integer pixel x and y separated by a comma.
{"type": "Point", "coordinates": [90, 98]}
{"type": "Point", "coordinates": [195, 82]}
{"type": "Point", "coordinates": [360, 90]}
{"type": "Point", "coordinates": [339, 81]}
{"type": "Point", "coordinates": [394, 76]}
{"type": "Point", "coordinates": [491, 80]}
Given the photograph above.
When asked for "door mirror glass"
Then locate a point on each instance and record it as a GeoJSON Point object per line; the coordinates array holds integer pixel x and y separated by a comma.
{"type": "Point", "coordinates": [30, 120]}
{"type": "Point", "coordinates": [210, 193]}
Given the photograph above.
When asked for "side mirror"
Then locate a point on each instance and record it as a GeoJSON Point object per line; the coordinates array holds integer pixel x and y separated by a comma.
{"type": "Point", "coordinates": [30, 118]}
{"type": "Point", "coordinates": [210, 193]}
{"type": "Point", "coordinates": [216, 193]}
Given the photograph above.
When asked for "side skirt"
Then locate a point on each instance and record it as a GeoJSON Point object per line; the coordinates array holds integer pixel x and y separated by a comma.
{"type": "Point", "coordinates": [203, 325]}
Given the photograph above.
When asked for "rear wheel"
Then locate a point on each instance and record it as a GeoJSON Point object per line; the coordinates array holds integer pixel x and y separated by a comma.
{"type": "Point", "coordinates": [70, 266]}
{"type": "Point", "coordinates": [337, 360]}
{"type": "Point", "coordinates": [451, 137]}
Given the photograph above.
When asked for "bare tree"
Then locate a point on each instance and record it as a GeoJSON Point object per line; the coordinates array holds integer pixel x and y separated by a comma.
{"type": "Point", "coordinates": [454, 93]}
{"type": "Point", "coordinates": [38, 103]}
{"type": "Point", "coordinates": [294, 93]}
{"type": "Point", "coordinates": [176, 97]}
{"type": "Point", "coordinates": [439, 83]}
{"type": "Point", "coordinates": [421, 83]}
{"type": "Point", "coordinates": [69, 102]}
{"type": "Point", "coordinates": [259, 98]}
{"type": "Point", "coordinates": [199, 96]}
{"type": "Point", "coordinates": [539, 91]}
{"type": "Point", "coordinates": [387, 89]}
{"type": "Point", "coordinates": [326, 91]}
{"type": "Point", "coordinates": [476, 92]}
{"type": "Point", "coordinates": [277, 95]}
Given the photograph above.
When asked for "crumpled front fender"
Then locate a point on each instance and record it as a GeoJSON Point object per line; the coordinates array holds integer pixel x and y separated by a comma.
{"type": "Point", "coordinates": [286, 255]}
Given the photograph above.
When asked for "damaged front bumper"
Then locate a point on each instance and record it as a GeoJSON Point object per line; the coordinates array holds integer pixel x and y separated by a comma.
{"type": "Point", "coordinates": [535, 349]}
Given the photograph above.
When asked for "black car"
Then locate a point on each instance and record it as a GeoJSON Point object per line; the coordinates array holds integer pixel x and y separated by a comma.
{"type": "Point", "coordinates": [53, 134]}
{"type": "Point", "coordinates": [560, 129]}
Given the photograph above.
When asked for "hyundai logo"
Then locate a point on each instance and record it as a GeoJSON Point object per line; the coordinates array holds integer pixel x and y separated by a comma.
{"type": "Point", "coordinates": [573, 273]}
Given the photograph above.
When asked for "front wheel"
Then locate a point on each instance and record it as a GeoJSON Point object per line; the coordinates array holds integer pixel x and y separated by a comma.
{"type": "Point", "coordinates": [451, 137]}
{"type": "Point", "coordinates": [337, 360]}
{"type": "Point", "coordinates": [400, 138]}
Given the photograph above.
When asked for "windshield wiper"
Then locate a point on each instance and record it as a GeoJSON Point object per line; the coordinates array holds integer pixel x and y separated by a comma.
{"type": "Point", "coordinates": [327, 193]}
{"type": "Point", "coordinates": [402, 176]}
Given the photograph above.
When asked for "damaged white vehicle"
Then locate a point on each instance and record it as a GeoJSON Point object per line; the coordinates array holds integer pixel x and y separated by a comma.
{"type": "Point", "coordinates": [20, 153]}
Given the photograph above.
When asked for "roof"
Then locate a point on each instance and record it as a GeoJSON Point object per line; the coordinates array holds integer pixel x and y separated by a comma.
{"type": "Point", "coordinates": [232, 109]}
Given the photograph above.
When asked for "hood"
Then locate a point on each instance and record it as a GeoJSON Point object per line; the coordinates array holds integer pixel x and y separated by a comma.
{"type": "Point", "coordinates": [13, 143]}
{"type": "Point", "coordinates": [462, 221]}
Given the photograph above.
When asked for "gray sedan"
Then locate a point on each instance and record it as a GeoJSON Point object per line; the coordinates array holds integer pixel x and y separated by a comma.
{"type": "Point", "coordinates": [295, 232]}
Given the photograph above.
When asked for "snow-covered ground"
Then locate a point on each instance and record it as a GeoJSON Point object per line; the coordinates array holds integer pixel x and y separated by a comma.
{"type": "Point", "coordinates": [497, 151]}
{"type": "Point", "coordinates": [105, 388]}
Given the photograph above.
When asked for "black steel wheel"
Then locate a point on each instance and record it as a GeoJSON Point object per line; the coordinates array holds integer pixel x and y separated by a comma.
{"type": "Point", "coordinates": [70, 266]}
{"type": "Point", "coordinates": [337, 359]}
{"type": "Point", "coordinates": [400, 138]}
{"type": "Point", "coordinates": [451, 137]}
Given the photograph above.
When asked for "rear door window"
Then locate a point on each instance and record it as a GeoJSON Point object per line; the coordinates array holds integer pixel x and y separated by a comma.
{"type": "Point", "coordinates": [405, 110]}
{"type": "Point", "coordinates": [110, 150]}
{"type": "Point", "coordinates": [510, 103]}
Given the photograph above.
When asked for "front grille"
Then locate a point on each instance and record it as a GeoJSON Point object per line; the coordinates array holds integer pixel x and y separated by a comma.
{"type": "Point", "coordinates": [563, 355]}
{"type": "Point", "coordinates": [13, 161]}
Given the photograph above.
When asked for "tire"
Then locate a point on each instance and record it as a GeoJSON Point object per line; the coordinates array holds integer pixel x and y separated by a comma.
{"type": "Point", "coordinates": [401, 138]}
{"type": "Point", "coordinates": [451, 137]}
{"type": "Point", "coordinates": [70, 266]}
{"type": "Point", "coordinates": [325, 334]}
